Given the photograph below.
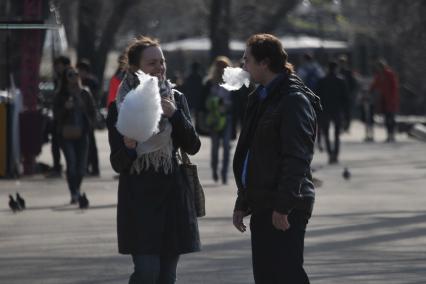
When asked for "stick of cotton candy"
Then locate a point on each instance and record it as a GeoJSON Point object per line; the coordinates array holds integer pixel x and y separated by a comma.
{"type": "Point", "coordinates": [140, 112]}
{"type": "Point", "coordinates": [235, 78]}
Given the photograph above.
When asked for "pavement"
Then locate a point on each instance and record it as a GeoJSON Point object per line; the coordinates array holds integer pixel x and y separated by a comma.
{"type": "Point", "coordinates": [369, 229]}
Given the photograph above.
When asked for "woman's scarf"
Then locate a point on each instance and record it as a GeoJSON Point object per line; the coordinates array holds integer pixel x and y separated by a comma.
{"type": "Point", "coordinates": [157, 151]}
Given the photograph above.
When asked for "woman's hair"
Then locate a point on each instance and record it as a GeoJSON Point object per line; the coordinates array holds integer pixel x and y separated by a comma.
{"type": "Point", "coordinates": [217, 67]}
{"type": "Point", "coordinates": [135, 49]}
{"type": "Point", "coordinates": [268, 47]}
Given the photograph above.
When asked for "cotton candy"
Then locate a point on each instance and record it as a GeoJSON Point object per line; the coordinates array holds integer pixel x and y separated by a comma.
{"type": "Point", "coordinates": [141, 110]}
{"type": "Point", "coordinates": [235, 78]}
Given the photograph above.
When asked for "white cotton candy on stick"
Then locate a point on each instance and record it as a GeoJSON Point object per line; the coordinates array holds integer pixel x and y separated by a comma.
{"type": "Point", "coordinates": [140, 112]}
{"type": "Point", "coordinates": [235, 78]}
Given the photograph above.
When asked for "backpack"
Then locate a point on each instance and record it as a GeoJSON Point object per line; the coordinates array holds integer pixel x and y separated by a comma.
{"type": "Point", "coordinates": [216, 113]}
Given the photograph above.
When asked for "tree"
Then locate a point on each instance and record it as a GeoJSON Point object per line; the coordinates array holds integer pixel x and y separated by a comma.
{"type": "Point", "coordinates": [96, 40]}
{"type": "Point", "coordinates": [219, 26]}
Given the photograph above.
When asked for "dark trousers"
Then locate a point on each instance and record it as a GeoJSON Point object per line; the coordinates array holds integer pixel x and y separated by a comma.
{"type": "Point", "coordinates": [93, 160]}
{"type": "Point", "coordinates": [75, 152]}
{"type": "Point", "coordinates": [390, 124]}
{"type": "Point", "coordinates": [326, 121]}
{"type": "Point", "coordinates": [55, 148]}
{"type": "Point", "coordinates": [278, 256]}
{"type": "Point", "coordinates": [154, 269]}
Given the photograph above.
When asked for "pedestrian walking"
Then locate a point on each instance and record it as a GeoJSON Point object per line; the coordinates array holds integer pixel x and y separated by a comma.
{"type": "Point", "coordinates": [60, 64]}
{"type": "Point", "coordinates": [385, 83]}
{"type": "Point", "coordinates": [333, 93]}
{"type": "Point", "coordinates": [220, 115]}
{"type": "Point", "coordinates": [74, 110]}
{"type": "Point", "coordinates": [156, 219]}
{"type": "Point", "coordinates": [90, 81]}
{"type": "Point", "coordinates": [311, 72]}
{"type": "Point", "coordinates": [352, 88]}
{"type": "Point", "coordinates": [272, 163]}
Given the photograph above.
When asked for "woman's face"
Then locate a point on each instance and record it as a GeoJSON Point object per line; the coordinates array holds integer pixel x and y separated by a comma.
{"type": "Point", "coordinates": [153, 62]}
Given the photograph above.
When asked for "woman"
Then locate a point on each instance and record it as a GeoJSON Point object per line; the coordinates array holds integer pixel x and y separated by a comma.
{"type": "Point", "coordinates": [156, 219]}
{"type": "Point", "coordinates": [74, 110]}
{"type": "Point", "coordinates": [220, 111]}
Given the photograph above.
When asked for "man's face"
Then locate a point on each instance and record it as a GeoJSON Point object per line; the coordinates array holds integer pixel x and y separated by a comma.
{"type": "Point", "coordinates": [254, 68]}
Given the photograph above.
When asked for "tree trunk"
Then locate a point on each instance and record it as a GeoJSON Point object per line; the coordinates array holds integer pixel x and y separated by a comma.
{"type": "Point", "coordinates": [108, 34]}
{"type": "Point", "coordinates": [87, 28]}
{"type": "Point", "coordinates": [220, 22]}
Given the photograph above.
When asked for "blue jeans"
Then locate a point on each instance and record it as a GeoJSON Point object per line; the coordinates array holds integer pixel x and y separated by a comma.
{"type": "Point", "coordinates": [75, 152]}
{"type": "Point", "coordinates": [216, 138]}
{"type": "Point", "coordinates": [154, 269]}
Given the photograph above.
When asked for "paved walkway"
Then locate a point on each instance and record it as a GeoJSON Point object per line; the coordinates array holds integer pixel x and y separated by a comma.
{"type": "Point", "coordinates": [370, 229]}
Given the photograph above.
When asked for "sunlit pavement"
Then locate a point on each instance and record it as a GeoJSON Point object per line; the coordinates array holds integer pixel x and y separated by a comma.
{"type": "Point", "coordinates": [370, 229]}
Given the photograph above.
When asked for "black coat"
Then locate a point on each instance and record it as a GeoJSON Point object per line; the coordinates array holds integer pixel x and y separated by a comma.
{"type": "Point", "coordinates": [155, 211]}
{"type": "Point", "coordinates": [279, 133]}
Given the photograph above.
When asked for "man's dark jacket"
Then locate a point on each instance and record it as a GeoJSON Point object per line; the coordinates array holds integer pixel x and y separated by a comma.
{"type": "Point", "coordinates": [279, 133]}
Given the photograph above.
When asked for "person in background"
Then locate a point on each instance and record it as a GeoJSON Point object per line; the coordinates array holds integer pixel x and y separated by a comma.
{"type": "Point", "coordinates": [334, 98]}
{"type": "Point", "coordinates": [220, 115]}
{"type": "Point", "coordinates": [311, 72]}
{"type": "Point", "coordinates": [193, 86]}
{"type": "Point", "coordinates": [385, 83]}
{"type": "Point", "coordinates": [90, 81]}
{"type": "Point", "coordinates": [116, 79]}
{"type": "Point", "coordinates": [352, 87]}
{"type": "Point", "coordinates": [59, 65]}
{"type": "Point", "coordinates": [272, 163]}
{"type": "Point", "coordinates": [74, 109]}
{"type": "Point", "coordinates": [156, 218]}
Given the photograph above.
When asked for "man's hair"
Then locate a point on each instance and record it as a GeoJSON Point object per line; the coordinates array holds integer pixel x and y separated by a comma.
{"type": "Point", "coordinates": [134, 51]}
{"type": "Point", "coordinates": [84, 64]}
{"type": "Point", "coordinates": [269, 48]}
{"type": "Point", "coordinates": [62, 59]}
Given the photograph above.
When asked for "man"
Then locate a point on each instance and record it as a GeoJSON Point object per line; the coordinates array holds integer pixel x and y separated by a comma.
{"type": "Point", "coordinates": [351, 86]}
{"type": "Point", "coordinates": [272, 163]}
{"type": "Point", "coordinates": [335, 99]}
{"type": "Point", "coordinates": [60, 63]}
{"type": "Point", "coordinates": [90, 81]}
{"type": "Point", "coordinates": [385, 83]}
{"type": "Point", "coordinates": [311, 72]}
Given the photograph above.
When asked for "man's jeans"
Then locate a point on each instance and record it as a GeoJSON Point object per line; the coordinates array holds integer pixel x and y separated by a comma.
{"type": "Point", "coordinates": [154, 269]}
{"type": "Point", "coordinates": [75, 152]}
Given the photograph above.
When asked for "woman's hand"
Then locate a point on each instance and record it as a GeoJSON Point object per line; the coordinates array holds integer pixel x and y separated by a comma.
{"type": "Point", "coordinates": [129, 143]}
{"type": "Point", "coordinates": [169, 106]}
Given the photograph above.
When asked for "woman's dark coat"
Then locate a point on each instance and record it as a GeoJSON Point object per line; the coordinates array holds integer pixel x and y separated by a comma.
{"type": "Point", "coordinates": [155, 211]}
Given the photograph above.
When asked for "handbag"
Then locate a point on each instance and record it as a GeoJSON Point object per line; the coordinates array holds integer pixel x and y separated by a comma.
{"type": "Point", "coordinates": [191, 173]}
{"type": "Point", "coordinates": [71, 132]}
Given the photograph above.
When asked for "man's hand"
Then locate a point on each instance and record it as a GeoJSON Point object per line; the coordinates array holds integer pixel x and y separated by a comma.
{"type": "Point", "coordinates": [129, 143]}
{"type": "Point", "coordinates": [280, 221]}
{"type": "Point", "coordinates": [237, 219]}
